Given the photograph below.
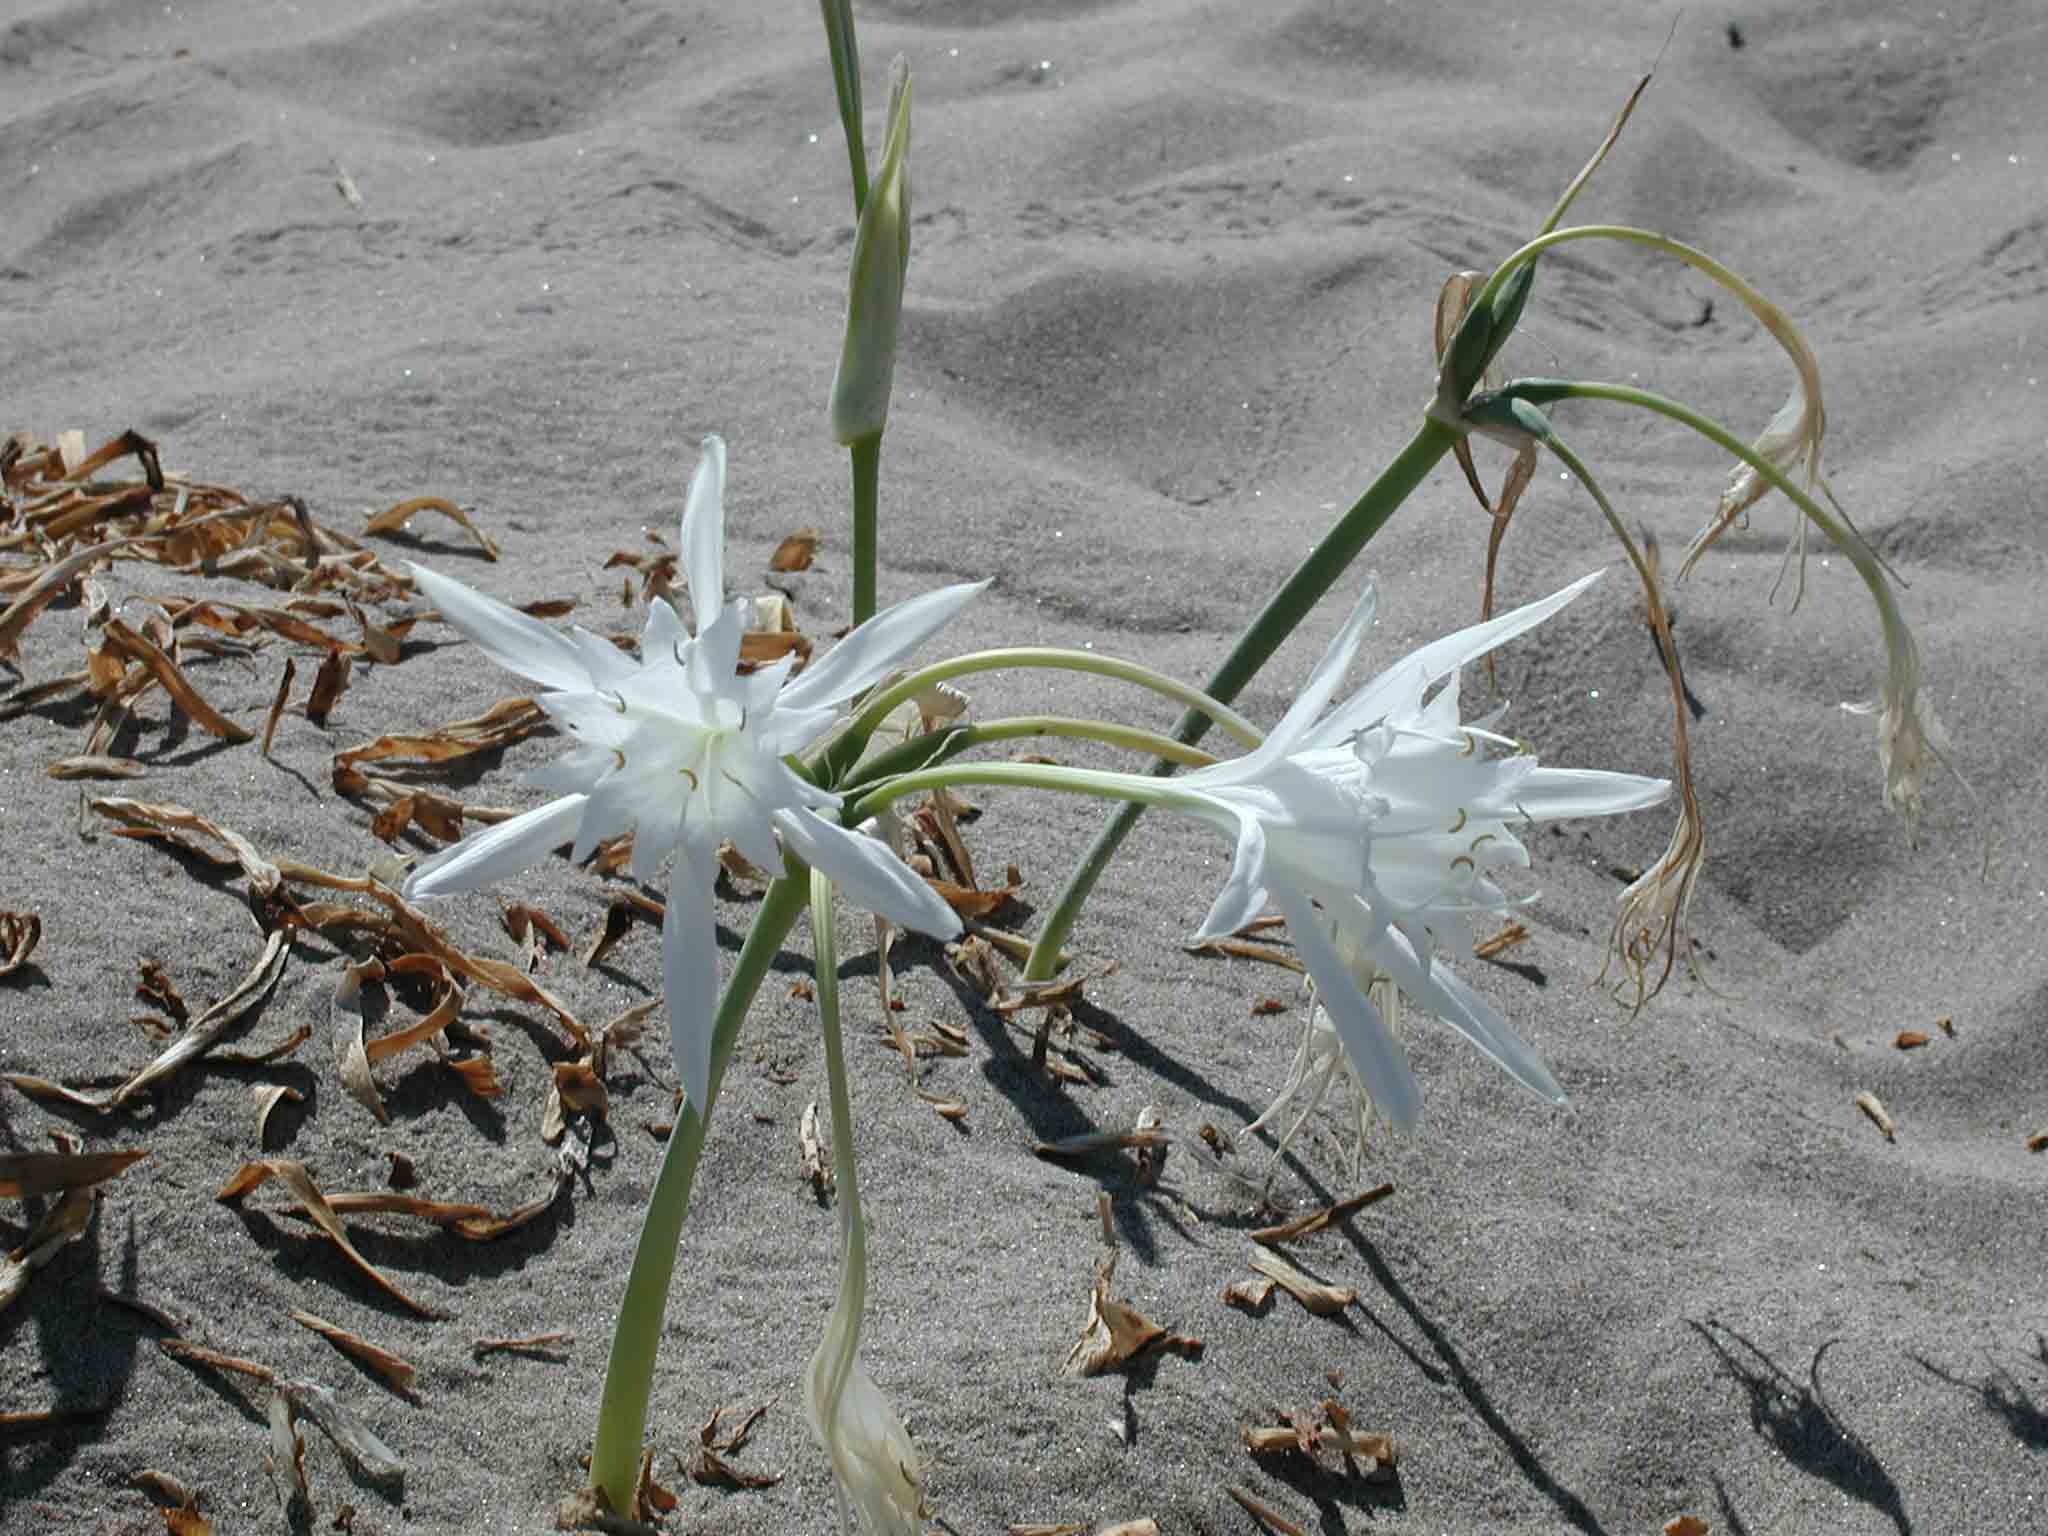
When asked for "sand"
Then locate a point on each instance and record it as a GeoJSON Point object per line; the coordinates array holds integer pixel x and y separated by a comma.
{"type": "Point", "coordinates": [1168, 313]}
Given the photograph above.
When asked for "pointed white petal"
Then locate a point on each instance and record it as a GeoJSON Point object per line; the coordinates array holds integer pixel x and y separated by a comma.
{"type": "Point", "coordinates": [1551, 794]}
{"type": "Point", "coordinates": [607, 665]}
{"type": "Point", "coordinates": [714, 657]}
{"type": "Point", "coordinates": [868, 874]}
{"type": "Point", "coordinates": [516, 641]}
{"type": "Point", "coordinates": [875, 648]}
{"type": "Point", "coordinates": [503, 850]}
{"type": "Point", "coordinates": [689, 973]}
{"type": "Point", "coordinates": [1437, 989]}
{"type": "Point", "coordinates": [1440, 658]}
{"type": "Point", "coordinates": [704, 533]}
{"type": "Point", "coordinates": [663, 634]}
{"type": "Point", "coordinates": [1293, 729]}
{"type": "Point", "coordinates": [1375, 1055]}
{"type": "Point", "coordinates": [1244, 894]}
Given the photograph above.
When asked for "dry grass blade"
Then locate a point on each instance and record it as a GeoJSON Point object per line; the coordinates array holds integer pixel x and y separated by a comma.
{"type": "Point", "coordinates": [508, 721]}
{"type": "Point", "coordinates": [130, 645]}
{"type": "Point", "coordinates": [1265, 1514]}
{"type": "Point", "coordinates": [1873, 1107]}
{"type": "Point", "coordinates": [349, 1011]}
{"type": "Point", "coordinates": [365, 1452]}
{"type": "Point", "coordinates": [1323, 1300]}
{"type": "Point", "coordinates": [1115, 1332]}
{"type": "Point", "coordinates": [286, 1462]}
{"type": "Point", "coordinates": [1249, 1295]}
{"type": "Point", "coordinates": [329, 684]}
{"type": "Point", "coordinates": [50, 581]}
{"type": "Point", "coordinates": [796, 551]}
{"type": "Point", "coordinates": [269, 1054]}
{"type": "Point", "coordinates": [277, 704]}
{"type": "Point", "coordinates": [20, 932]}
{"type": "Point", "coordinates": [201, 1036]}
{"type": "Point", "coordinates": [171, 822]}
{"type": "Point", "coordinates": [393, 519]}
{"type": "Point", "coordinates": [64, 1223]}
{"type": "Point", "coordinates": [398, 1372]}
{"type": "Point", "coordinates": [542, 1344]}
{"type": "Point", "coordinates": [1315, 1221]}
{"type": "Point", "coordinates": [477, 1223]}
{"type": "Point", "coordinates": [213, 1359]}
{"type": "Point", "coordinates": [1512, 934]}
{"type": "Point", "coordinates": [26, 1174]}
{"type": "Point", "coordinates": [96, 765]}
{"type": "Point", "coordinates": [294, 1177]}
{"type": "Point", "coordinates": [267, 1099]}
{"type": "Point", "coordinates": [1244, 949]}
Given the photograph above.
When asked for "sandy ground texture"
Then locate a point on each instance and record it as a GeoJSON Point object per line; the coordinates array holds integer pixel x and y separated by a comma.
{"type": "Point", "coordinates": [1169, 303]}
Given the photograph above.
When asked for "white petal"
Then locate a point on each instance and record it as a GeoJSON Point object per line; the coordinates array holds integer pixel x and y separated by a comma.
{"type": "Point", "coordinates": [875, 648]}
{"type": "Point", "coordinates": [714, 657]}
{"type": "Point", "coordinates": [1439, 659]}
{"type": "Point", "coordinates": [1551, 794]}
{"type": "Point", "coordinates": [704, 533]}
{"type": "Point", "coordinates": [689, 974]}
{"type": "Point", "coordinates": [1438, 989]}
{"type": "Point", "coordinates": [607, 665]}
{"type": "Point", "coordinates": [516, 641]}
{"type": "Point", "coordinates": [663, 634]}
{"type": "Point", "coordinates": [1375, 1055]}
{"type": "Point", "coordinates": [869, 874]}
{"type": "Point", "coordinates": [1293, 728]}
{"type": "Point", "coordinates": [485, 857]}
{"type": "Point", "coordinates": [1244, 893]}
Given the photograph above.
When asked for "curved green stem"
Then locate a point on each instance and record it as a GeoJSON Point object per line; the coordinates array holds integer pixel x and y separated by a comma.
{"type": "Point", "coordinates": [836, 762]}
{"type": "Point", "coordinates": [1138, 789]}
{"type": "Point", "coordinates": [1280, 617]}
{"type": "Point", "coordinates": [629, 1375]}
{"type": "Point", "coordinates": [867, 473]}
{"type": "Point", "coordinates": [845, 51]}
{"type": "Point", "coordinates": [943, 745]}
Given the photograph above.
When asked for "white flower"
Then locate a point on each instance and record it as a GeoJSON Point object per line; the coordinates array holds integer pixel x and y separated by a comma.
{"type": "Point", "coordinates": [1376, 831]}
{"type": "Point", "coordinates": [682, 751]}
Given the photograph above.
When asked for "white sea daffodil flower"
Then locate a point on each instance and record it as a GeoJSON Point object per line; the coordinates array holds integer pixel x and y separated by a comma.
{"type": "Point", "coordinates": [684, 752]}
{"type": "Point", "coordinates": [1376, 830]}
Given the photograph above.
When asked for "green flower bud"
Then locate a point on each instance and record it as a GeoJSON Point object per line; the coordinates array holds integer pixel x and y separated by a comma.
{"type": "Point", "coordinates": [881, 256]}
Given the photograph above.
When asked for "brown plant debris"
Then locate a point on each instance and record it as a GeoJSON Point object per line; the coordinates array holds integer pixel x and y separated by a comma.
{"type": "Point", "coordinates": [19, 934]}
{"type": "Point", "coordinates": [1245, 949]}
{"type": "Point", "coordinates": [547, 1346]}
{"type": "Point", "coordinates": [1511, 935]}
{"type": "Point", "coordinates": [1909, 1039]}
{"type": "Point", "coordinates": [2038, 1142]}
{"type": "Point", "coordinates": [27, 1174]}
{"type": "Point", "coordinates": [1323, 1300]}
{"type": "Point", "coordinates": [286, 1461]}
{"type": "Point", "coordinates": [532, 930]}
{"type": "Point", "coordinates": [294, 1177]}
{"type": "Point", "coordinates": [177, 825]}
{"type": "Point", "coordinates": [277, 704]}
{"type": "Point", "coordinates": [1265, 1514]}
{"type": "Point", "coordinates": [354, 1439]}
{"type": "Point", "coordinates": [1249, 1295]}
{"type": "Point", "coordinates": [477, 1223]}
{"type": "Point", "coordinates": [267, 1098]}
{"type": "Point", "coordinates": [96, 765]}
{"type": "Point", "coordinates": [126, 645]}
{"type": "Point", "coordinates": [399, 1373]}
{"type": "Point", "coordinates": [574, 1089]}
{"type": "Point", "coordinates": [329, 684]}
{"type": "Point", "coordinates": [1874, 1109]}
{"type": "Point", "coordinates": [795, 552]}
{"type": "Point", "coordinates": [1315, 1221]}
{"type": "Point", "coordinates": [65, 1222]}
{"type": "Point", "coordinates": [1141, 1527]}
{"type": "Point", "coordinates": [156, 989]}
{"type": "Point", "coordinates": [393, 519]}
{"type": "Point", "coordinates": [1686, 1525]}
{"type": "Point", "coordinates": [1114, 1332]}
{"type": "Point", "coordinates": [505, 722]}
{"type": "Point", "coordinates": [199, 1037]}
{"type": "Point", "coordinates": [707, 1466]}
{"type": "Point", "coordinates": [1365, 1454]}
{"type": "Point", "coordinates": [213, 1359]}
{"type": "Point", "coordinates": [618, 922]}
{"type": "Point", "coordinates": [817, 1155]}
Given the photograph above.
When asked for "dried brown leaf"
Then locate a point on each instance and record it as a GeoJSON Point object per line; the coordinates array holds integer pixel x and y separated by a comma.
{"type": "Point", "coordinates": [156, 989]}
{"type": "Point", "coordinates": [618, 922]}
{"type": "Point", "coordinates": [329, 684]}
{"type": "Point", "coordinates": [287, 1458]}
{"type": "Point", "coordinates": [1315, 1221]}
{"type": "Point", "coordinates": [133, 646]}
{"type": "Point", "coordinates": [392, 519]}
{"type": "Point", "coordinates": [1686, 1525]}
{"type": "Point", "coordinates": [1244, 949]}
{"type": "Point", "coordinates": [795, 552]}
{"type": "Point", "coordinates": [1265, 1513]}
{"type": "Point", "coordinates": [1511, 935]}
{"type": "Point", "coordinates": [1323, 1300]}
{"type": "Point", "coordinates": [267, 1099]}
{"type": "Point", "coordinates": [398, 1372]}
{"type": "Point", "coordinates": [96, 765]}
{"type": "Point", "coordinates": [477, 1223]}
{"type": "Point", "coordinates": [543, 1344]}
{"type": "Point", "coordinates": [213, 1359]}
{"type": "Point", "coordinates": [173, 823]}
{"type": "Point", "coordinates": [277, 704]}
{"type": "Point", "coordinates": [1115, 1332]}
{"type": "Point", "coordinates": [202, 1035]}
{"type": "Point", "coordinates": [1909, 1039]}
{"type": "Point", "coordinates": [1874, 1108]}
{"type": "Point", "coordinates": [295, 1177]}
{"type": "Point", "coordinates": [350, 1024]}
{"type": "Point", "coordinates": [1249, 1295]}
{"type": "Point", "coordinates": [354, 1439]}
{"type": "Point", "coordinates": [19, 934]}
{"type": "Point", "coordinates": [817, 1155]}
{"type": "Point", "coordinates": [27, 1174]}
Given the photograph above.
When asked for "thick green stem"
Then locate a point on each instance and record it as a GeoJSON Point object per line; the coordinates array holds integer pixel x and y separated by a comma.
{"type": "Point", "coordinates": [1280, 617]}
{"type": "Point", "coordinates": [951, 741]}
{"type": "Point", "coordinates": [867, 473]}
{"type": "Point", "coordinates": [853, 1278]}
{"type": "Point", "coordinates": [845, 51]}
{"type": "Point", "coordinates": [629, 1376]}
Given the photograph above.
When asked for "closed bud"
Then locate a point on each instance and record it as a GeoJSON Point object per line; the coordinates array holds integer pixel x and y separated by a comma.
{"type": "Point", "coordinates": [881, 255]}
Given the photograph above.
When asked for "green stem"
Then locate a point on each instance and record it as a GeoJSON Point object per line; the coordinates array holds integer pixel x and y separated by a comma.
{"type": "Point", "coordinates": [1280, 617]}
{"type": "Point", "coordinates": [853, 1281]}
{"type": "Point", "coordinates": [1136, 788]}
{"type": "Point", "coordinates": [836, 763]}
{"type": "Point", "coordinates": [867, 472]}
{"type": "Point", "coordinates": [629, 1375]}
{"type": "Point", "coordinates": [949, 743]}
{"type": "Point", "coordinates": [1765, 312]}
{"type": "Point", "coordinates": [845, 51]}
